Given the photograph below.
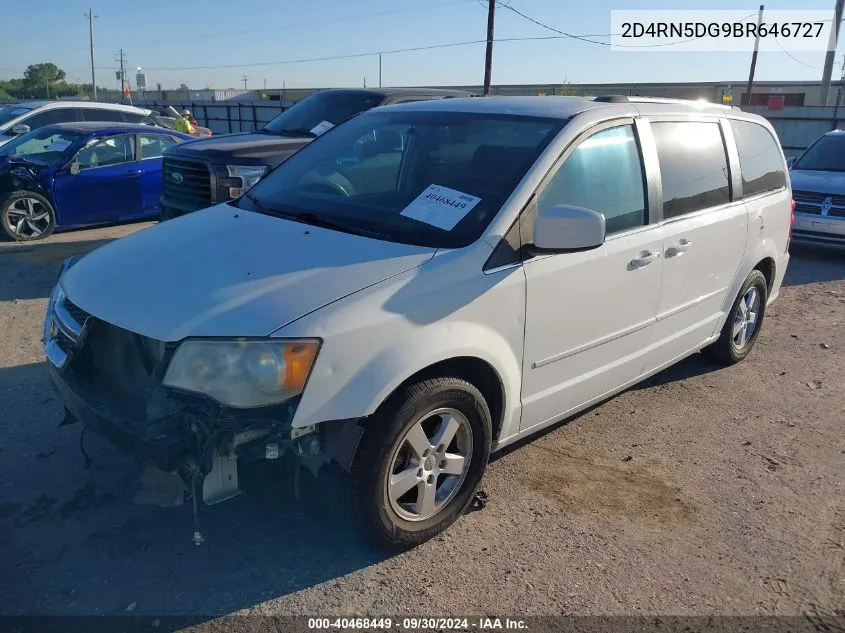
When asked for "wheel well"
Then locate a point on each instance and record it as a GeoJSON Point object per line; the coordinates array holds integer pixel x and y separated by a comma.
{"type": "Point", "coordinates": [475, 371]}
{"type": "Point", "coordinates": [767, 267]}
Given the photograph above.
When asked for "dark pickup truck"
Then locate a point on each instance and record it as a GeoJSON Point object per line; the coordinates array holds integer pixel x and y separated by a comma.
{"type": "Point", "coordinates": [209, 171]}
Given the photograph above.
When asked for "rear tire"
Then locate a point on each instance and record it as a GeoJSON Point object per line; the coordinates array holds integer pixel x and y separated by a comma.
{"type": "Point", "coordinates": [743, 323]}
{"type": "Point", "coordinates": [26, 216]}
{"type": "Point", "coordinates": [419, 461]}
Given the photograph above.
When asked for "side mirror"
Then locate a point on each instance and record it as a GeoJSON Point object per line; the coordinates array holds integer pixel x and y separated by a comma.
{"type": "Point", "coordinates": [74, 167]}
{"type": "Point", "coordinates": [20, 129]}
{"type": "Point", "coordinates": [565, 229]}
{"type": "Point", "coordinates": [791, 161]}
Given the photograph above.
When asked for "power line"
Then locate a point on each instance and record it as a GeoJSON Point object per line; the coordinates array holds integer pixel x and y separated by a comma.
{"type": "Point", "coordinates": [587, 38]}
{"type": "Point", "coordinates": [346, 56]}
{"type": "Point", "coordinates": [550, 28]}
{"type": "Point", "coordinates": [791, 56]}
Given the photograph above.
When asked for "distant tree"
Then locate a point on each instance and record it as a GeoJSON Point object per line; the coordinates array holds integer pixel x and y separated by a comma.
{"type": "Point", "coordinates": [183, 87]}
{"type": "Point", "coordinates": [38, 77]}
{"type": "Point", "coordinates": [567, 89]}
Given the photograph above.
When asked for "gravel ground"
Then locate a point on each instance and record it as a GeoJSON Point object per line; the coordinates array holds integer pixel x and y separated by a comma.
{"type": "Point", "coordinates": [704, 491]}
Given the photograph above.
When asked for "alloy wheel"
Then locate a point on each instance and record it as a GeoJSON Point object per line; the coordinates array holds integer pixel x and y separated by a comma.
{"type": "Point", "coordinates": [429, 464]}
{"type": "Point", "coordinates": [28, 218]}
{"type": "Point", "coordinates": [746, 318]}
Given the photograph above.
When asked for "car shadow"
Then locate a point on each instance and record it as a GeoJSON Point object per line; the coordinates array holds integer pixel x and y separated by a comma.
{"type": "Point", "coordinates": [814, 264]}
{"type": "Point", "coordinates": [74, 542]}
{"type": "Point", "coordinates": [30, 270]}
{"type": "Point", "coordinates": [692, 366]}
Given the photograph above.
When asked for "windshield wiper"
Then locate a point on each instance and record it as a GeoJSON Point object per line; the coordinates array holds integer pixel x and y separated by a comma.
{"type": "Point", "coordinates": [307, 217]}
{"type": "Point", "coordinates": [300, 131]}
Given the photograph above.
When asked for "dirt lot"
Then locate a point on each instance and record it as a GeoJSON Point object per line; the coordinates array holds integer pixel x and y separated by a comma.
{"type": "Point", "coordinates": [704, 491]}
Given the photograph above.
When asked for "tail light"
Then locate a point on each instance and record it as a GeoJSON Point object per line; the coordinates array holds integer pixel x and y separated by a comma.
{"type": "Point", "coordinates": [791, 216]}
{"type": "Point", "coordinates": [791, 222]}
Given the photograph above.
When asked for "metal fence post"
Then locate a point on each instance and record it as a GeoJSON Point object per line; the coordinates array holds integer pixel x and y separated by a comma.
{"type": "Point", "coordinates": [229, 117]}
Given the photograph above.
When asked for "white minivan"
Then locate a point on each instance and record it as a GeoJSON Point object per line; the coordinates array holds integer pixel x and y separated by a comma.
{"type": "Point", "coordinates": [422, 285]}
{"type": "Point", "coordinates": [24, 117]}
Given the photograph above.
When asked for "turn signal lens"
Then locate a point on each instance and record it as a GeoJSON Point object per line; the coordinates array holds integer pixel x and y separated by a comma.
{"type": "Point", "coordinates": [298, 360]}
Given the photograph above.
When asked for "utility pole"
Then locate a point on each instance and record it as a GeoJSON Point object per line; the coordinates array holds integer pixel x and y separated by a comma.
{"type": "Point", "coordinates": [91, 17]}
{"type": "Point", "coordinates": [379, 70]}
{"type": "Point", "coordinates": [244, 78]}
{"type": "Point", "coordinates": [488, 59]}
{"type": "Point", "coordinates": [753, 61]}
{"type": "Point", "coordinates": [831, 52]}
{"type": "Point", "coordinates": [122, 74]}
{"type": "Point", "coordinates": [265, 83]}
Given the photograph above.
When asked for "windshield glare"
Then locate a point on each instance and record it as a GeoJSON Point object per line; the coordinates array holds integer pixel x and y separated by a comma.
{"type": "Point", "coordinates": [826, 154]}
{"type": "Point", "coordinates": [424, 178]}
{"type": "Point", "coordinates": [331, 106]}
{"type": "Point", "coordinates": [12, 112]}
{"type": "Point", "coordinates": [44, 144]}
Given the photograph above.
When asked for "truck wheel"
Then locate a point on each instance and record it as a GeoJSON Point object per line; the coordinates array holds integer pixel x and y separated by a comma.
{"type": "Point", "coordinates": [744, 321]}
{"type": "Point", "coordinates": [26, 216]}
{"type": "Point", "coordinates": [419, 461]}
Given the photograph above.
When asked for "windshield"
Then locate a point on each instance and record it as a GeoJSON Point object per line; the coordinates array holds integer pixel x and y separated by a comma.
{"type": "Point", "coordinates": [321, 111]}
{"type": "Point", "coordinates": [424, 178]}
{"type": "Point", "coordinates": [12, 112]}
{"type": "Point", "coordinates": [45, 144]}
{"type": "Point", "coordinates": [826, 154]}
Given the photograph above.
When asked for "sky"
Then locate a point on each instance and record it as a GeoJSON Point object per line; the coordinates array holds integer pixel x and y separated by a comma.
{"type": "Point", "coordinates": [233, 39]}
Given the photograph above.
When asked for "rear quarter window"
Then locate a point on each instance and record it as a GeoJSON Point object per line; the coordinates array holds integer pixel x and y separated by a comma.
{"type": "Point", "coordinates": [760, 158]}
{"type": "Point", "coordinates": [102, 114]}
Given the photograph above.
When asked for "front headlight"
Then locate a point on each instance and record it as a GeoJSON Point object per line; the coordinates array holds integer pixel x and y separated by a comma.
{"type": "Point", "coordinates": [249, 175]}
{"type": "Point", "coordinates": [58, 294]}
{"type": "Point", "coordinates": [243, 373]}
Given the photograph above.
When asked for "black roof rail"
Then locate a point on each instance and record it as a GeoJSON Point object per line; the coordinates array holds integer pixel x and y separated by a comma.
{"type": "Point", "coordinates": [612, 99]}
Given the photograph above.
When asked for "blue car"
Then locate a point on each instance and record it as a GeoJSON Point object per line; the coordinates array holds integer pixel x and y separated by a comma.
{"type": "Point", "coordinates": [80, 174]}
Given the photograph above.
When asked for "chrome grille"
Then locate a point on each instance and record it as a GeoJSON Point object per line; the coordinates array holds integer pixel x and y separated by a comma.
{"type": "Point", "coordinates": [191, 184]}
{"type": "Point", "coordinates": [79, 315]}
{"type": "Point", "coordinates": [818, 198]}
{"type": "Point", "coordinates": [811, 202]}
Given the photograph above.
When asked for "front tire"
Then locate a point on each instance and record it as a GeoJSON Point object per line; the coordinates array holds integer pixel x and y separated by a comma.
{"type": "Point", "coordinates": [419, 461]}
{"type": "Point", "coordinates": [26, 216]}
{"type": "Point", "coordinates": [744, 321]}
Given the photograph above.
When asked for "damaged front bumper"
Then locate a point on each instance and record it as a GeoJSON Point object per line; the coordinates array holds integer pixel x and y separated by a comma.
{"type": "Point", "coordinates": [110, 380]}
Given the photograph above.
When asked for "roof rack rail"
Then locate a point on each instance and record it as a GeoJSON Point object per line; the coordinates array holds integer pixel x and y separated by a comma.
{"type": "Point", "coordinates": [635, 99]}
{"type": "Point", "coordinates": [612, 99]}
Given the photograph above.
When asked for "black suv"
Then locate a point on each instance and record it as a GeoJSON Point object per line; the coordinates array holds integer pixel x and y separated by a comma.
{"type": "Point", "coordinates": [209, 171]}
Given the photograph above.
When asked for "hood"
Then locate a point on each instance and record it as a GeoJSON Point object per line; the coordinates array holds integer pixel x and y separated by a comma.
{"type": "Point", "coordinates": [224, 271]}
{"type": "Point", "coordinates": [826, 182]}
{"type": "Point", "coordinates": [259, 149]}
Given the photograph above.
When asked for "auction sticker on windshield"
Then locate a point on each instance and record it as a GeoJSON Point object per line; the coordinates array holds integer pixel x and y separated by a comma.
{"type": "Point", "coordinates": [440, 206]}
{"type": "Point", "coordinates": [322, 128]}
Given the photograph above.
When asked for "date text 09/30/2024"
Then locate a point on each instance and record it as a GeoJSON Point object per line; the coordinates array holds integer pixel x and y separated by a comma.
{"type": "Point", "coordinates": [420, 624]}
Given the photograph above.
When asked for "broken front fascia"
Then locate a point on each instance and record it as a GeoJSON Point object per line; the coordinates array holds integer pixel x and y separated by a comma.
{"type": "Point", "coordinates": [111, 380]}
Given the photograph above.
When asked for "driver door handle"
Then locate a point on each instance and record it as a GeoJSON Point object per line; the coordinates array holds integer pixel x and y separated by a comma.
{"type": "Point", "coordinates": [644, 259]}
